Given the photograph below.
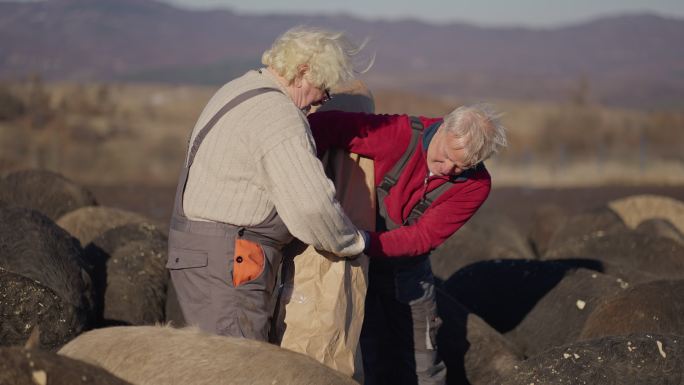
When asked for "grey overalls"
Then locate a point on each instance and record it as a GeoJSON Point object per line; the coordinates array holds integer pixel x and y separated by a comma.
{"type": "Point", "coordinates": [225, 275]}
{"type": "Point", "coordinates": [398, 339]}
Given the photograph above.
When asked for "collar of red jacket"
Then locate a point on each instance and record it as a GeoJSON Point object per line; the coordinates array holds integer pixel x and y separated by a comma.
{"type": "Point", "coordinates": [428, 133]}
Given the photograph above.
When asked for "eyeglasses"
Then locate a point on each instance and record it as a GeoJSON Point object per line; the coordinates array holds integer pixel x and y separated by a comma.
{"type": "Point", "coordinates": [326, 97]}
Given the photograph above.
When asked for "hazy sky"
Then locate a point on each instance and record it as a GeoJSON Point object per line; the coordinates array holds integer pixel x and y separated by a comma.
{"type": "Point", "coordinates": [484, 12]}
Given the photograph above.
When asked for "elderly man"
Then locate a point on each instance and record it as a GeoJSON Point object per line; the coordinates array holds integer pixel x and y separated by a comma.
{"type": "Point", "coordinates": [251, 181]}
{"type": "Point", "coordinates": [430, 180]}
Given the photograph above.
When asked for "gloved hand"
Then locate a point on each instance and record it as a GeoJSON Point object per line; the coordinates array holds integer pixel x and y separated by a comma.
{"type": "Point", "coordinates": [366, 240]}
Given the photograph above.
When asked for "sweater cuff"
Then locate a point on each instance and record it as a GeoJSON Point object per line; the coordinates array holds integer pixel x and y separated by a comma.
{"type": "Point", "coordinates": [375, 249]}
{"type": "Point", "coordinates": [355, 249]}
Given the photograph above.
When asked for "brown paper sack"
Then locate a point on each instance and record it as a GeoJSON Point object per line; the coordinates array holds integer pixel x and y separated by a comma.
{"type": "Point", "coordinates": [320, 311]}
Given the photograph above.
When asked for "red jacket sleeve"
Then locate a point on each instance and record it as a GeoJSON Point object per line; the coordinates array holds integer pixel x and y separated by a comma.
{"type": "Point", "coordinates": [443, 218]}
{"type": "Point", "coordinates": [368, 135]}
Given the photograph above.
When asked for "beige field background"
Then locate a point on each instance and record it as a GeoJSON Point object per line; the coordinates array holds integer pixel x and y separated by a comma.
{"type": "Point", "coordinates": [113, 134]}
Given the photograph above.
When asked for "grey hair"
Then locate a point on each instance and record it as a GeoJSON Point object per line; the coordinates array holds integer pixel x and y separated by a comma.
{"type": "Point", "coordinates": [479, 129]}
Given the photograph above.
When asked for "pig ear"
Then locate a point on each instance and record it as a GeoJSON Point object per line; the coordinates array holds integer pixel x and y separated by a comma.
{"type": "Point", "coordinates": [33, 341]}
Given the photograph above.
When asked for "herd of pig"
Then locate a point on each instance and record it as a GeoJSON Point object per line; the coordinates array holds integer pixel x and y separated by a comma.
{"type": "Point", "coordinates": [595, 297]}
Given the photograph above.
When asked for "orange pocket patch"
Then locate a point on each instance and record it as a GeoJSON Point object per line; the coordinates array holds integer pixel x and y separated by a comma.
{"type": "Point", "coordinates": [248, 261]}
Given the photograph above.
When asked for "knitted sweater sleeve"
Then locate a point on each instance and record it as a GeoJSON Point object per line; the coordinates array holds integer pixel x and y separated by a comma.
{"type": "Point", "coordinates": [305, 198]}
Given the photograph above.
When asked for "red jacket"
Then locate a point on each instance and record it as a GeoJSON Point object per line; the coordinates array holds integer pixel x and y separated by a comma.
{"type": "Point", "coordinates": [384, 138]}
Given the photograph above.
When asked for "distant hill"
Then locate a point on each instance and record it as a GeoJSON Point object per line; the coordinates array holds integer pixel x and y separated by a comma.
{"type": "Point", "coordinates": [630, 60]}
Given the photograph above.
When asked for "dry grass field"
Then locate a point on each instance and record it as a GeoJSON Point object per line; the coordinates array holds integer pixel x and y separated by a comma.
{"type": "Point", "coordinates": [119, 134]}
{"type": "Point", "coordinates": [127, 141]}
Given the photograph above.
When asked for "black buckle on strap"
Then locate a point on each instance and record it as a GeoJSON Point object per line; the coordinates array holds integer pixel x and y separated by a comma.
{"type": "Point", "coordinates": [416, 124]}
{"type": "Point", "coordinates": [387, 183]}
{"type": "Point", "coordinates": [417, 211]}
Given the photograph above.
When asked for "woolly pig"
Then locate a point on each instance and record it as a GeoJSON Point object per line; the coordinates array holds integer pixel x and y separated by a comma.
{"type": "Point", "coordinates": [635, 209]}
{"type": "Point", "coordinates": [644, 359]}
{"type": "Point", "coordinates": [129, 274]}
{"type": "Point", "coordinates": [546, 219]}
{"type": "Point", "coordinates": [146, 355]}
{"type": "Point", "coordinates": [487, 235]}
{"type": "Point", "coordinates": [558, 317]}
{"type": "Point", "coordinates": [87, 223]}
{"type": "Point", "coordinates": [652, 307]}
{"type": "Point", "coordinates": [658, 227]}
{"type": "Point", "coordinates": [47, 192]}
{"type": "Point", "coordinates": [33, 246]}
{"type": "Point", "coordinates": [25, 304]}
{"type": "Point", "coordinates": [632, 256]}
{"type": "Point", "coordinates": [584, 226]}
{"type": "Point", "coordinates": [20, 366]}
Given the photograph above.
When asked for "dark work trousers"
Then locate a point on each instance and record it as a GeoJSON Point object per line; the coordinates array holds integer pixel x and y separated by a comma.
{"type": "Point", "coordinates": [398, 339]}
{"type": "Point", "coordinates": [202, 262]}
{"type": "Point", "coordinates": [225, 275]}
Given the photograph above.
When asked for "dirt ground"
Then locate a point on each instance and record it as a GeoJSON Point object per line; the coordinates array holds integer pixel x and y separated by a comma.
{"type": "Point", "coordinates": [517, 203]}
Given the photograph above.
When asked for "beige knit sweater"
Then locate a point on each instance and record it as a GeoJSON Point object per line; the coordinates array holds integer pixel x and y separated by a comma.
{"type": "Point", "coordinates": [260, 155]}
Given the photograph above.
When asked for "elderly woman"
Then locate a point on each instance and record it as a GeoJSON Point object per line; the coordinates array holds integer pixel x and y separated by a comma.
{"type": "Point", "coordinates": [251, 181]}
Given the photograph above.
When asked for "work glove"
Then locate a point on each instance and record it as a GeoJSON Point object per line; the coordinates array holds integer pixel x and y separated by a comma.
{"type": "Point", "coordinates": [366, 240]}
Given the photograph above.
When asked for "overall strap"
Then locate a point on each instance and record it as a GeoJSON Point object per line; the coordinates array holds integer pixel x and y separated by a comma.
{"type": "Point", "coordinates": [424, 203]}
{"type": "Point", "coordinates": [384, 222]}
{"type": "Point", "coordinates": [229, 106]}
{"type": "Point", "coordinates": [391, 178]}
{"type": "Point", "coordinates": [180, 190]}
{"type": "Point", "coordinates": [432, 196]}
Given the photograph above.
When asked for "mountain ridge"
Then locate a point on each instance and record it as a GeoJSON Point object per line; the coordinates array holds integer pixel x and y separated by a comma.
{"type": "Point", "coordinates": [629, 60]}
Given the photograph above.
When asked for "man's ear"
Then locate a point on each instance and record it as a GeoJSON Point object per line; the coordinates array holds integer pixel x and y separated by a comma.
{"type": "Point", "coordinates": [302, 70]}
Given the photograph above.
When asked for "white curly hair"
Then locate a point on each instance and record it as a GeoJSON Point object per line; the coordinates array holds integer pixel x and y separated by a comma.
{"type": "Point", "coordinates": [328, 55]}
